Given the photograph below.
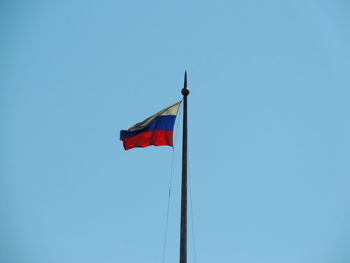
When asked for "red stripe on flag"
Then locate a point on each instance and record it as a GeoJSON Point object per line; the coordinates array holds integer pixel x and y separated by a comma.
{"type": "Point", "coordinates": [157, 138]}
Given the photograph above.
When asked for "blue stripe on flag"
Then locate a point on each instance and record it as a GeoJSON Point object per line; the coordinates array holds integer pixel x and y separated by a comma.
{"type": "Point", "coordinates": [162, 122]}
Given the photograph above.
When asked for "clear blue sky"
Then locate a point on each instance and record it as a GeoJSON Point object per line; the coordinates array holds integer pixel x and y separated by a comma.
{"type": "Point", "coordinates": [269, 130]}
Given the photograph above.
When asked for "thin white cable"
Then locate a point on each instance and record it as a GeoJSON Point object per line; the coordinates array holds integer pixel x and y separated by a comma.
{"type": "Point", "coordinates": [191, 204]}
{"type": "Point", "coordinates": [170, 186]}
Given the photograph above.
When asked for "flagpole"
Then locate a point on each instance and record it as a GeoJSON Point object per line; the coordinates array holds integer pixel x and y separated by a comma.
{"type": "Point", "coordinates": [183, 227]}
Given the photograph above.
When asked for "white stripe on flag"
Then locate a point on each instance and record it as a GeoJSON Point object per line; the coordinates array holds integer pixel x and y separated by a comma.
{"type": "Point", "coordinates": [171, 110]}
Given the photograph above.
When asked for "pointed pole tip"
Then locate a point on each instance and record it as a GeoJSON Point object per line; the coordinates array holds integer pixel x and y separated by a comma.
{"type": "Point", "coordinates": [185, 91]}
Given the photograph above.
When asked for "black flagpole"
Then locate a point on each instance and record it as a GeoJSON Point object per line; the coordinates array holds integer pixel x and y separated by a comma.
{"type": "Point", "coordinates": [183, 228]}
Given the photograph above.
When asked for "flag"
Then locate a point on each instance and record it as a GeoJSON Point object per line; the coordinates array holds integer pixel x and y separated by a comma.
{"type": "Point", "coordinates": [156, 130]}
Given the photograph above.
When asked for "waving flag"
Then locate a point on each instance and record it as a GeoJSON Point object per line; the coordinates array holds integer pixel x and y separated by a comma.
{"type": "Point", "coordinates": [156, 130]}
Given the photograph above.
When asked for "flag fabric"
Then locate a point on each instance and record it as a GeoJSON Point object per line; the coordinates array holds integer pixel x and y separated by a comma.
{"type": "Point", "coordinates": [156, 130]}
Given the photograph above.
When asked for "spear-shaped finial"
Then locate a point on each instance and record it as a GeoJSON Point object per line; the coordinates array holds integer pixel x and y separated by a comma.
{"type": "Point", "coordinates": [185, 91]}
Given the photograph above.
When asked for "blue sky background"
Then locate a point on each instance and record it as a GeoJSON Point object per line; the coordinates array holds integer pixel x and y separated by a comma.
{"type": "Point", "coordinates": [268, 129]}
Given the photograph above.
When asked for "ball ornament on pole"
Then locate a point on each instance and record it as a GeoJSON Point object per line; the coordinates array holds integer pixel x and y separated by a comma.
{"type": "Point", "coordinates": [185, 91]}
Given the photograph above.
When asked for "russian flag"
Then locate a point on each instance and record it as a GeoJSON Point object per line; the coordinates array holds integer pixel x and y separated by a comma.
{"type": "Point", "coordinates": [156, 130]}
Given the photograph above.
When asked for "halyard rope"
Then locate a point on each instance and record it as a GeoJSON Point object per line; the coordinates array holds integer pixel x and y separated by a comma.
{"type": "Point", "coordinates": [191, 201]}
{"type": "Point", "coordinates": [170, 186]}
